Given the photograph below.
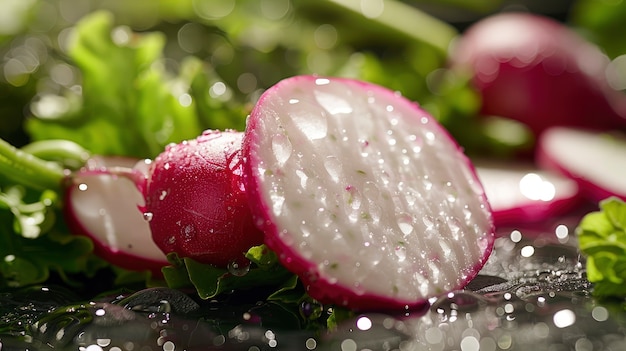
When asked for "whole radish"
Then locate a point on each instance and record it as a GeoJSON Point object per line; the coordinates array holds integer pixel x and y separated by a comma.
{"type": "Point", "coordinates": [362, 194]}
{"type": "Point", "coordinates": [196, 202]}
{"type": "Point", "coordinates": [537, 71]}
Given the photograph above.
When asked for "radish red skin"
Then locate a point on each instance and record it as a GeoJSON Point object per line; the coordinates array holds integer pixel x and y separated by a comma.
{"type": "Point", "coordinates": [537, 71]}
{"type": "Point", "coordinates": [319, 286]}
{"type": "Point", "coordinates": [196, 201]}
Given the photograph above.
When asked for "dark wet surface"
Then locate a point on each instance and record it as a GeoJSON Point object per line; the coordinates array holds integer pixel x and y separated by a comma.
{"type": "Point", "coordinates": [531, 295]}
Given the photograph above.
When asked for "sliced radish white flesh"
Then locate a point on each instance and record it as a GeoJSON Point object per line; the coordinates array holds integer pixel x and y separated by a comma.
{"type": "Point", "coordinates": [519, 193]}
{"type": "Point", "coordinates": [597, 161]}
{"type": "Point", "coordinates": [102, 203]}
{"type": "Point", "coordinates": [362, 194]}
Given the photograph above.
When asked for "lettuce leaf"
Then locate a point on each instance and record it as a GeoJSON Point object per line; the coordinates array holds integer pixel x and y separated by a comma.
{"type": "Point", "coordinates": [34, 243]}
{"type": "Point", "coordinates": [129, 104]}
{"type": "Point", "coordinates": [210, 281]}
{"type": "Point", "coordinates": [602, 238]}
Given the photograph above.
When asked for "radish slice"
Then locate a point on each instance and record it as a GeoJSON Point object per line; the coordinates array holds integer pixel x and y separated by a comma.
{"type": "Point", "coordinates": [102, 203]}
{"type": "Point", "coordinates": [596, 161]}
{"type": "Point", "coordinates": [520, 193]}
{"type": "Point", "coordinates": [363, 194]}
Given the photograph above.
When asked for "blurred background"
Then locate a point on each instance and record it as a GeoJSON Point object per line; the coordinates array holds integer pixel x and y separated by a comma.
{"type": "Point", "coordinates": [216, 57]}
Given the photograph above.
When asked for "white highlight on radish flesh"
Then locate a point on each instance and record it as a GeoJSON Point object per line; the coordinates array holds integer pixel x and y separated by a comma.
{"type": "Point", "coordinates": [596, 159]}
{"type": "Point", "coordinates": [367, 189]}
{"type": "Point", "coordinates": [104, 201]}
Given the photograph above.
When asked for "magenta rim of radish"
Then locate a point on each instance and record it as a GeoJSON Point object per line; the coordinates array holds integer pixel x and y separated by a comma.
{"type": "Point", "coordinates": [286, 179]}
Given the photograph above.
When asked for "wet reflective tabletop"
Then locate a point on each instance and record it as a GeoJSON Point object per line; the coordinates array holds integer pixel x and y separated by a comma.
{"type": "Point", "coordinates": [532, 294]}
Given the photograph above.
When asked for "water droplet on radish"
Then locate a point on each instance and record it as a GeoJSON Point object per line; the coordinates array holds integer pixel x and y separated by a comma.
{"type": "Point", "coordinates": [162, 195]}
{"type": "Point", "coordinates": [313, 125]}
{"type": "Point", "coordinates": [82, 187]}
{"type": "Point", "coordinates": [353, 197]}
{"type": "Point", "coordinates": [322, 81]}
{"type": "Point", "coordinates": [455, 227]}
{"type": "Point", "coordinates": [364, 145]}
{"type": "Point", "coordinates": [427, 183]}
{"type": "Point", "coordinates": [148, 216]}
{"type": "Point", "coordinates": [189, 232]}
{"type": "Point", "coordinates": [281, 147]}
{"type": "Point", "coordinates": [303, 178]}
{"type": "Point", "coordinates": [428, 221]}
{"type": "Point", "coordinates": [400, 252]}
{"type": "Point", "coordinates": [238, 269]}
{"type": "Point", "coordinates": [278, 200]}
{"type": "Point", "coordinates": [405, 223]}
{"type": "Point", "coordinates": [333, 167]}
{"type": "Point", "coordinates": [333, 103]}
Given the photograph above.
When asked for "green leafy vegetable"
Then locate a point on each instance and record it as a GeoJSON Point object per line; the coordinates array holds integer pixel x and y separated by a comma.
{"type": "Point", "coordinates": [602, 238]}
{"type": "Point", "coordinates": [33, 242]}
{"type": "Point", "coordinates": [602, 22]}
{"type": "Point", "coordinates": [125, 83]}
{"type": "Point", "coordinates": [210, 281]}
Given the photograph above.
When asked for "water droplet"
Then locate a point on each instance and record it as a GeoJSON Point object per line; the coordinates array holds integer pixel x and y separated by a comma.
{"type": "Point", "coordinates": [281, 147]}
{"type": "Point", "coordinates": [303, 178]}
{"type": "Point", "coordinates": [148, 216]}
{"type": "Point", "coordinates": [82, 187]}
{"type": "Point", "coordinates": [238, 269]}
{"type": "Point", "coordinates": [322, 81]}
{"type": "Point", "coordinates": [459, 301]}
{"type": "Point", "coordinates": [312, 123]}
{"type": "Point", "coordinates": [332, 103]}
{"type": "Point", "coordinates": [428, 221]}
{"type": "Point", "coordinates": [455, 227]}
{"type": "Point", "coordinates": [278, 200]}
{"type": "Point", "coordinates": [311, 309]}
{"type": "Point", "coordinates": [400, 252]}
{"type": "Point", "coordinates": [353, 197]}
{"type": "Point", "coordinates": [189, 232]}
{"type": "Point", "coordinates": [163, 195]}
{"type": "Point", "coordinates": [405, 223]}
{"type": "Point", "coordinates": [364, 145]}
{"type": "Point", "coordinates": [333, 167]}
{"type": "Point", "coordinates": [416, 142]}
{"type": "Point", "coordinates": [427, 184]}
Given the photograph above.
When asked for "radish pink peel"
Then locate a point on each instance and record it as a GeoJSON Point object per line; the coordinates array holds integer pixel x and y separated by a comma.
{"type": "Point", "coordinates": [363, 194]}
{"type": "Point", "coordinates": [537, 71]}
{"type": "Point", "coordinates": [196, 201]}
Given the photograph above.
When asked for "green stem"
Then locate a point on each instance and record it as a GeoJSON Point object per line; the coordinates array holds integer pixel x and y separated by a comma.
{"type": "Point", "coordinates": [408, 20]}
{"type": "Point", "coordinates": [25, 169]}
{"type": "Point", "coordinates": [67, 152]}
